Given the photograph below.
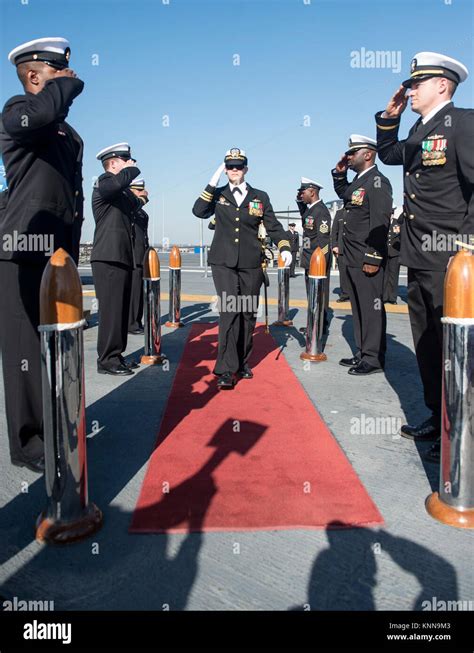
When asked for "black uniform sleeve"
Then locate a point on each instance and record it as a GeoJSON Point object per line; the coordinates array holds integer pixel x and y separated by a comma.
{"type": "Point", "coordinates": [389, 148]}
{"type": "Point", "coordinates": [464, 140]}
{"type": "Point", "coordinates": [301, 207]}
{"type": "Point", "coordinates": [274, 227]}
{"type": "Point", "coordinates": [380, 209]}
{"type": "Point", "coordinates": [340, 182]}
{"type": "Point", "coordinates": [110, 185]}
{"type": "Point", "coordinates": [205, 205]}
{"type": "Point", "coordinates": [212, 224]}
{"type": "Point", "coordinates": [25, 117]}
{"type": "Point", "coordinates": [335, 231]}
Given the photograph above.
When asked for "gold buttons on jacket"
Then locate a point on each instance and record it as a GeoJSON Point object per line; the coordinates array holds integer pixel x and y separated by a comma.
{"type": "Point", "coordinates": [237, 219]}
{"type": "Point", "coordinates": [236, 240]}
{"type": "Point", "coordinates": [412, 196]}
{"type": "Point", "coordinates": [407, 174]}
{"type": "Point", "coordinates": [236, 228]}
{"type": "Point", "coordinates": [76, 193]}
{"type": "Point", "coordinates": [417, 175]}
{"type": "Point", "coordinates": [411, 216]}
{"type": "Point", "coordinates": [237, 209]}
{"type": "Point", "coordinates": [76, 214]}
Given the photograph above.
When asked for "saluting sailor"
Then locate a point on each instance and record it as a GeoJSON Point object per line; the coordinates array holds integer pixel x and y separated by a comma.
{"type": "Point", "coordinates": [438, 165]}
{"type": "Point", "coordinates": [140, 245]}
{"type": "Point", "coordinates": [112, 257]}
{"type": "Point", "coordinates": [367, 209]}
{"type": "Point", "coordinates": [235, 257]}
{"type": "Point", "coordinates": [42, 154]}
{"type": "Point", "coordinates": [316, 222]}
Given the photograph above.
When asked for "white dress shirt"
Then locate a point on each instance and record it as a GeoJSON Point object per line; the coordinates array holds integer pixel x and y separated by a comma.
{"type": "Point", "coordinates": [239, 197]}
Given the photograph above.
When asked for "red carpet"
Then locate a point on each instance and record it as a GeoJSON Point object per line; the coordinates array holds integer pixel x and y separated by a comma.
{"type": "Point", "coordinates": [256, 457]}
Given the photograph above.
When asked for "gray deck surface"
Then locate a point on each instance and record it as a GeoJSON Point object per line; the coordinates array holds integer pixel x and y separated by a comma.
{"type": "Point", "coordinates": [410, 559]}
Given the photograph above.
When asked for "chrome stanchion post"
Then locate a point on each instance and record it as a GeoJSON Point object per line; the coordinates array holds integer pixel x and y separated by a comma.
{"type": "Point", "coordinates": [175, 290]}
{"type": "Point", "coordinates": [315, 318]}
{"type": "Point", "coordinates": [454, 503]}
{"type": "Point", "coordinates": [283, 295]}
{"type": "Point", "coordinates": [69, 516]}
{"type": "Point", "coordinates": [152, 309]}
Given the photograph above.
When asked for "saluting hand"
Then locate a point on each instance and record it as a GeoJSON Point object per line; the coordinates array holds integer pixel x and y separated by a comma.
{"type": "Point", "coordinates": [65, 72]}
{"type": "Point", "coordinates": [129, 163]}
{"type": "Point", "coordinates": [341, 165]}
{"type": "Point", "coordinates": [397, 104]}
{"type": "Point", "coordinates": [217, 175]}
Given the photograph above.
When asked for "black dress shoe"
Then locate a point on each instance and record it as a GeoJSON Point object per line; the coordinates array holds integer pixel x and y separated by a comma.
{"type": "Point", "coordinates": [349, 362]}
{"type": "Point", "coordinates": [117, 369]}
{"type": "Point", "coordinates": [33, 465]}
{"type": "Point", "coordinates": [226, 381]}
{"type": "Point", "coordinates": [433, 455]}
{"type": "Point", "coordinates": [427, 431]}
{"type": "Point", "coordinates": [132, 365]}
{"type": "Point", "coordinates": [363, 369]}
{"type": "Point", "coordinates": [342, 299]}
{"type": "Point", "coordinates": [245, 372]}
{"type": "Point", "coordinates": [137, 332]}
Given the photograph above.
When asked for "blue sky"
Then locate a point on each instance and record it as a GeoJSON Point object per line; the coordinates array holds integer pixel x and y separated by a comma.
{"type": "Point", "coordinates": [291, 103]}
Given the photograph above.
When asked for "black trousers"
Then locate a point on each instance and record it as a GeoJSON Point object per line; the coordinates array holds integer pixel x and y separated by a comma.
{"type": "Point", "coordinates": [135, 315]}
{"type": "Point", "coordinates": [238, 292]}
{"type": "Point", "coordinates": [343, 281]}
{"type": "Point", "coordinates": [21, 358]}
{"type": "Point", "coordinates": [390, 280]}
{"type": "Point", "coordinates": [425, 307]}
{"type": "Point", "coordinates": [113, 283]}
{"type": "Point", "coordinates": [368, 315]}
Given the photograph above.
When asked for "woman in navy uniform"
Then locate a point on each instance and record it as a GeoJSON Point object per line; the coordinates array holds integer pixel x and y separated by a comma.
{"type": "Point", "coordinates": [438, 166]}
{"type": "Point", "coordinates": [235, 257]}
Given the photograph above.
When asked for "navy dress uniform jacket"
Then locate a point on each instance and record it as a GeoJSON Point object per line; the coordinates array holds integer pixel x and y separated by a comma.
{"type": "Point", "coordinates": [113, 205]}
{"type": "Point", "coordinates": [316, 223]}
{"type": "Point", "coordinates": [43, 159]}
{"type": "Point", "coordinates": [235, 242]}
{"type": "Point", "coordinates": [438, 166]}
{"type": "Point", "coordinates": [367, 207]}
{"type": "Point", "coordinates": [394, 234]}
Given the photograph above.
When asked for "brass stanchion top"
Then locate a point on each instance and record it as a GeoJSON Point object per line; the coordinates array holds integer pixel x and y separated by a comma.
{"type": "Point", "coordinates": [175, 257]}
{"type": "Point", "coordinates": [60, 291]}
{"type": "Point", "coordinates": [317, 264]}
{"type": "Point", "coordinates": [151, 264]}
{"type": "Point", "coordinates": [459, 286]}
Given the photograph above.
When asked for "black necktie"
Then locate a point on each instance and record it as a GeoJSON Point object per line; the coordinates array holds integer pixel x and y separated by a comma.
{"type": "Point", "coordinates": [237, 190]}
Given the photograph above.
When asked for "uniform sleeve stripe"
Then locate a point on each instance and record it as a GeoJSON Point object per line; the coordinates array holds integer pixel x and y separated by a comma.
{"type": "Point", "coordinates": [283, 243]}
{"type": "Point", "coordinates": [374, 256]}
{"type": "Point", "coordinates": [206, 199]}
{"type": "Point", "coordinates": [387, 127]}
